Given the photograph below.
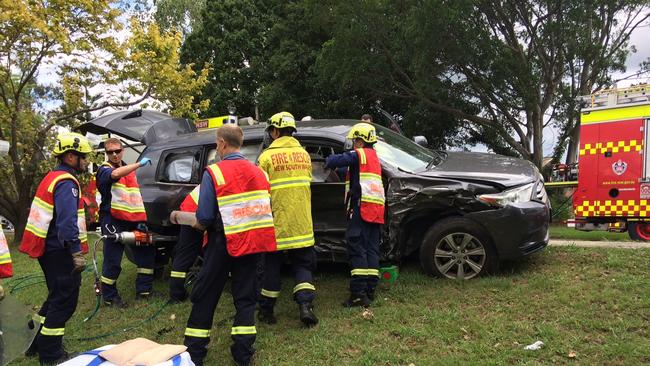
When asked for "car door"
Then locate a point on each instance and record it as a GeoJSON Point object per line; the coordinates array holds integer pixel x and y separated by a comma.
{"type": "Point", "coordinates": [328, 201]}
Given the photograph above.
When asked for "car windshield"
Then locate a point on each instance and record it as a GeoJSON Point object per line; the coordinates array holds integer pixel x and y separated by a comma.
{"type": "Point", "coordinates": [403, 153]}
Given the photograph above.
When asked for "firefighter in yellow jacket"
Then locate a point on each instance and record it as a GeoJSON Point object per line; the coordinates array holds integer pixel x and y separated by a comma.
{"type": "Point", "coordinates": [289, 169]}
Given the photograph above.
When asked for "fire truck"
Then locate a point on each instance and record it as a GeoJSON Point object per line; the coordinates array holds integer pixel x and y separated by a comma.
{"type": "Point", "coordinates": [614, 181]}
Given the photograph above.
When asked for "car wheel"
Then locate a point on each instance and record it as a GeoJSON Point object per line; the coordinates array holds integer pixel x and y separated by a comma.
{"type": "Point", "coordinates": [457, 248]}
{"type": "Point", "coordinates": [639, 231]}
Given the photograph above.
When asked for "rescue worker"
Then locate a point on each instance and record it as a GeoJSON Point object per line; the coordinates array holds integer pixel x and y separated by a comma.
{"type": "Point", "coordinates": [288, 166]}
{"type": "Point", "coordinates": [234, 206]}
{"type": "Point", "coordinates": [122, 209]}
{"type": "Point", "coordinates": [56, 235]}
{"type": "Point", "coordinates": [365, 204]}
{"type": "Point", "coordinates": [6, 267]}
{"type": "Point", "coordinates": [186, 250]}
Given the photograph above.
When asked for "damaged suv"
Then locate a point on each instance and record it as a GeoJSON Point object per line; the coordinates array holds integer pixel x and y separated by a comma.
{"type": "Point", "coordinates": [462, 212]}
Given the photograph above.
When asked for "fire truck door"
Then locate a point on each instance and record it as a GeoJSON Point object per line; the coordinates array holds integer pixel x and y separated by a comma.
{"type": "Point", "coordinates": [620, 162]}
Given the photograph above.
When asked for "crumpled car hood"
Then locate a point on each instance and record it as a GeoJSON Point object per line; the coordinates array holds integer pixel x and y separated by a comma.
{"type": "Point", "coordinates": [500, 170]}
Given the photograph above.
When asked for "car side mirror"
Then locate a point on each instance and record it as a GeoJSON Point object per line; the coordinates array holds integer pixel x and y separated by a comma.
{"type": "Point", "coordinates": [421, 140]}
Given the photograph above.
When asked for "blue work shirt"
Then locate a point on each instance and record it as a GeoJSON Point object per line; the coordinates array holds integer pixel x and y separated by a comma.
{"type": "Point", "coordinates": [104, 184]}
{"type": "Point", "coordinates": [348, 159]}
{"type": "Point", "coordinates": [64, 229]}
{"type": "Point", "coordinates": [207, 214]}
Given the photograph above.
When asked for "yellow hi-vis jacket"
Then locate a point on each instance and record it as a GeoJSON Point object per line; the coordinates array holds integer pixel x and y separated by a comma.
{"type": "Point", "coordinates": [289, 169]}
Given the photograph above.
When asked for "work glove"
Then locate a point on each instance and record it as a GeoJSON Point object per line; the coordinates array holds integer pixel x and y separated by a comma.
{"type": "Point", "coordinates": [145, 161]}
{"type": "Point", "coordinates": [2, 293]}
{"type": "Point", "coordinates": [78, 262]}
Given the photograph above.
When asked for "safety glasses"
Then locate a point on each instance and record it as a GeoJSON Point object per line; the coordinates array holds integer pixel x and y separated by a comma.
{"type": "Point", "coordinates": [116, 152]}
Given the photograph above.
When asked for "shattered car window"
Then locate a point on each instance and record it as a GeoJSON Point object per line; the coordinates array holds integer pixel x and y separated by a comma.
{"type": "Point", "coordinates": [403, 153]}
{"type": "Point", "coordinates": [181, 167]}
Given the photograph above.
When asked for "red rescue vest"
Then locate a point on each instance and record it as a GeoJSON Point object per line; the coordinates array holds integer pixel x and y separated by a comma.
{"type": "Point", "coordinates": [126, 201]}
{"type": "Point", "coordinates": [191, 201]}
{"type": "Point", "coordinates": [372, 187]}
{"type": "Point", "coordinates": [191, 204]}
{"type": "Point", "coordinates": [245, 206]}
{"type": "Point", "coordinates": [6, 268]}
{"type": "Point", "coordinates": [42, 212]}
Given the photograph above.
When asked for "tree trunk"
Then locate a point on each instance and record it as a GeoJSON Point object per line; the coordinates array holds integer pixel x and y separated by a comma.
{"type": "Point", "coordinates": [574, 144]}
{"type": "Point", "coordinates": [21, 220]}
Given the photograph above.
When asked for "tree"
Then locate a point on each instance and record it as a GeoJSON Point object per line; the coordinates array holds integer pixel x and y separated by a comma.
{"type": "Point", "coordinates": [80, 39]}
{"type": "Point", "coordinates": [497, 66]}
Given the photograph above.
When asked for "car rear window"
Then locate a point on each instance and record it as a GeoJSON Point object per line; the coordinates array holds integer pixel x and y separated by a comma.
{"type": "Point", "coordinates": [180, 166]}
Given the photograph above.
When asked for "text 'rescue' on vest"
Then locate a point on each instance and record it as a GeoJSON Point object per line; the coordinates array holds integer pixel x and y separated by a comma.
{"type": "Point", "coordinates": [126, 201]}
{"type": "Point", "coordinates": [244, 202]}
{"type": "Point", "coordinates": [289, 168]}
{"type": "Point", "coordinates": [42, 212]}
{"type": "Point", "coordinates": [372, 187]}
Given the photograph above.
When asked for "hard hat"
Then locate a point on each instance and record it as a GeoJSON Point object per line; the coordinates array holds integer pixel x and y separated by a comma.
{"type": "Point", "coordinates": [364, 131]}
{"type": "Point", "coordinates": [71, 142]}
{"type": "Point", "coordinates": [282, 120]}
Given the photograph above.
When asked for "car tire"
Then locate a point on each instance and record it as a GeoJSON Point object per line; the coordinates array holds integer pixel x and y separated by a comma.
{"type": "Point", "coordinates": [638, 231]}
{"type": "Point", "coordinates": [457, 248]}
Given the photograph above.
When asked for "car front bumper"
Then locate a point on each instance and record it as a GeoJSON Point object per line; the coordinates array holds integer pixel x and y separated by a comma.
{"type": "Point", "coordinates": [516, 230]}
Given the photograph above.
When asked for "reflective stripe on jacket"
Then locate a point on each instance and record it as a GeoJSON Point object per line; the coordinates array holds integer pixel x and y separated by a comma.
{"type": "Point", "coordinates": [289, 168]}
{"type": "Point", "coordinates": [6, 268]}
{"type": "Point", "coordinates": [42, 212]}
{"type": "Point", "coordinates": [245, 207]}
{"type": "Point", "coordinates": [372, 187]}
{"type": "Point", "coordinates": [126, 201]}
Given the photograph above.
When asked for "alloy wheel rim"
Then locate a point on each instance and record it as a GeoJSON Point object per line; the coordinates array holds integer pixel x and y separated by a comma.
{"type": "Point", "coordinates": [459, 256]}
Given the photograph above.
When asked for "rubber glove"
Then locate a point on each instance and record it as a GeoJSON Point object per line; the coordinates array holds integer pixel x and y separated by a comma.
{"type": "Point", "coordinates": [145, 161]}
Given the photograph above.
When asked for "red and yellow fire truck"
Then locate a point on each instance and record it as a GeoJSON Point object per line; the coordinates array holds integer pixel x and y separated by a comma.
{"type": "Point", "coordinates": [614, 180]}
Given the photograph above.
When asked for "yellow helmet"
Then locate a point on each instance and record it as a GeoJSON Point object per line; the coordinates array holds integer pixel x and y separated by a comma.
{"type": "Point", "coordinates": [282, 120]}
{"type": "Point", "coordinates": [364, 131]}
{"type": "Point", "coordinates": [71, 142]}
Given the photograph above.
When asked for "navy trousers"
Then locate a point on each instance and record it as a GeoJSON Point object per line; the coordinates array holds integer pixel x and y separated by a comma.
{"type": "Point", "coordinates": [205, 297]}
{"type": "Point", "coordinates": [62, 297]}
{"type": "Point", "coordinates": [302, 263]}
{"type": "Point", "coordinates": [363, 251]}
{"type": "Point", "coordinates": [186, 250]}
{"type": "Point", "coordinates": [145, 257]}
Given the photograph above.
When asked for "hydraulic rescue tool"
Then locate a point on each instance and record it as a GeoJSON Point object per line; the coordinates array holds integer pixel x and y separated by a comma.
{"type": "Point", "coordinates": [137, 238]}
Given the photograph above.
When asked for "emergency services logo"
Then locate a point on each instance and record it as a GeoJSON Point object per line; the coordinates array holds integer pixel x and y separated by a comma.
{"type": "Point", "coordinates": [75, 192]}
{"type": "Point", "coordinates": [619, 167]}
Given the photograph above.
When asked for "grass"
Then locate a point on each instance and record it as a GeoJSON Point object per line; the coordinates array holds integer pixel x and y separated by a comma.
{"type": "Point", "coordinates": [569, 233]}
{"type": "Point", "coordinates": [588, 305]}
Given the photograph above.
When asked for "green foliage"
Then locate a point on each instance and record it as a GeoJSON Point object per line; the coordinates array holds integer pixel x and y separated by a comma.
{"type": "Point", "coordinates": [84, 33]}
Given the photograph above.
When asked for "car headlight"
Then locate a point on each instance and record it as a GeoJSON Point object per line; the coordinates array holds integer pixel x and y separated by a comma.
{"type": "Point", "coordinates": [515, 195]}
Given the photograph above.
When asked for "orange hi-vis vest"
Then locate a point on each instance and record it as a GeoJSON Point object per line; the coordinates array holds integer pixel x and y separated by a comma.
{"type": "Point", "coordinates": [191, 201]}
{"type": "Point", "coordinates": [42, 212]}
{"type": "Point", "coordinates": [6, 268]}
{"type": "Point", "coordinates": [126, 201]}
{"type": "Point", "coordinates": [245, 206]}
{"type": "Point", "coordinates": [372, 187]}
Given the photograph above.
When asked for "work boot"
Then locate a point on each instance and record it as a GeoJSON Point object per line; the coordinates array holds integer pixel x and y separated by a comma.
{"type": "Point", "coordinates": [357, 300]}
{"type": "Point", "coordinates": [307, 315]}
{"type": "Point", "coordinates": [371, 295]}
{"type": "Point", "coordinates": [64, 357]}
{"type": "Point", "coordinates": [265, 315]}
{"type": "Point", "coordinates": [116, 302]}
